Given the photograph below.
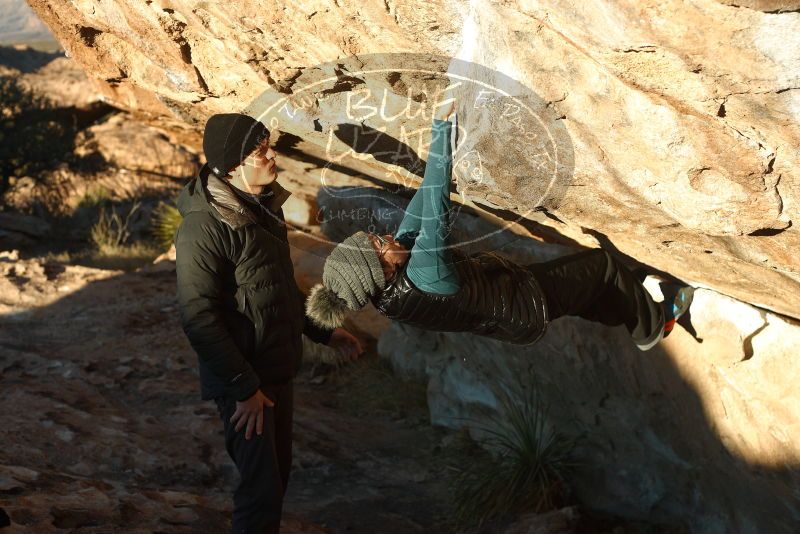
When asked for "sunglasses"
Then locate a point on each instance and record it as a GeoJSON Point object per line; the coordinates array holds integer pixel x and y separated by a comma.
{"type": "Point", "coordinates": [383, 241]}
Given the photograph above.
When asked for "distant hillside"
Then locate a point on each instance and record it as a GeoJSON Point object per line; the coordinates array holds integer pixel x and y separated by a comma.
{"type": "Point", "coordinates": [20, 25]}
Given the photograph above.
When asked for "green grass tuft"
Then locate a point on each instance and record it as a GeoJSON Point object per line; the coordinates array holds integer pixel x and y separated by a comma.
{"type": "Point", "coordinates": [525, 471]}
{"type": "Point", "coordinates": [110, 238]}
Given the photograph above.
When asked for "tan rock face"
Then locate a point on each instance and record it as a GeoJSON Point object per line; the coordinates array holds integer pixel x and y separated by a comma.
{"type": "Point", "coordinates": [61, 80]}
{"type": "Point", "coordinates": [698, 433]}
{"type": "Point", "coordinates": [135, 147]}
{"type": "Point", "coordinates": [770, 6]}
{"type": "Point", "coordinates": [137, 160]}
{"type": "Point", "coordinates": [683, 119]}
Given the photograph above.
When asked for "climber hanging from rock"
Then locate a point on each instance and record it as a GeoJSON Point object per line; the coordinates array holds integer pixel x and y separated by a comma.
{"type": "Point", "coordinates": [414, 277]}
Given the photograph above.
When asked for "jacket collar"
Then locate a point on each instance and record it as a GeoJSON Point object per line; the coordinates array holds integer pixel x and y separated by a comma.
{"type": "Point", "coordinates": [230, 207]}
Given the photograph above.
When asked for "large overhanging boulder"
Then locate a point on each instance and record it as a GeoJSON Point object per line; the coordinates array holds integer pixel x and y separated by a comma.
{"type": "Point", "coordinates": [681, 120]}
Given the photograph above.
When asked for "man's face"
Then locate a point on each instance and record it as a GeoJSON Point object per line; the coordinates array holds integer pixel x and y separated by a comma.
{"type": "Point", "coordinates": [259, 168]}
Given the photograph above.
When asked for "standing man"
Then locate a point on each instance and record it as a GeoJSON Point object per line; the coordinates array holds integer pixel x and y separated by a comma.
{"type": "Point", "coordinates": [242, 310]}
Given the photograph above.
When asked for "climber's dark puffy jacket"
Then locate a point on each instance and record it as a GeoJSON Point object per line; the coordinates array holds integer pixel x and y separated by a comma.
{"type": "Point", "coordinates": [239, 304]}
{"type": "Point", "coordinates": [497, 298]}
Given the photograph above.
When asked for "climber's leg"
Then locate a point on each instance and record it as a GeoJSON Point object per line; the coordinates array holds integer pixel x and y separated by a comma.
{"type": "Point", "coordinates": [429, 266]}
{"type": "Point", "coordinates": [593, 285]}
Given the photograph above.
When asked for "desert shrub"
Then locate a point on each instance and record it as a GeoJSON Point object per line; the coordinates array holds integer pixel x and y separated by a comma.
{"type": "Point", "coordinates": [524, 471]}
{"type": "Point", "coordinates": [32, 138]}
{"type": "Point", "coordinates": [111, 239]}
{"type": "Point", "coordinates": [165, 222]}
{"type": "Point", "coordinates": [112, 230]}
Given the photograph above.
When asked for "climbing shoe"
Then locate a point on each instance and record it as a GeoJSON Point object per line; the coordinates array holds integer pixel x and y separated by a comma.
{"type": "Point", "coordinates": [647, 345]}
{"type": "Point", "coordinates": [680, 305]}
{"type": "Point", "coordinates": [675, 301]}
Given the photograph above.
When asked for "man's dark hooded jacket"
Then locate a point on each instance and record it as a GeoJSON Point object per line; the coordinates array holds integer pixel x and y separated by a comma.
{"type": "Point", "coordinates": [240, 306]}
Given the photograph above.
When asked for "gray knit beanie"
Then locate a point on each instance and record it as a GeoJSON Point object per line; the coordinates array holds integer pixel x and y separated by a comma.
{"type": "Point", "coordinates": [352, 274]}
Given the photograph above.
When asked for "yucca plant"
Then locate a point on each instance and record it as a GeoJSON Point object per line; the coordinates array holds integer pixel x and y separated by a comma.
{"type": "Point", "coordinates": [525, 470]}
{"type": "Point", "coordinates": [165, 222]}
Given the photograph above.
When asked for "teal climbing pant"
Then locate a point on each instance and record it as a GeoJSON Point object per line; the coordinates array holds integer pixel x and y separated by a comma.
{"type": "Point", "coordinates": [426, 224]}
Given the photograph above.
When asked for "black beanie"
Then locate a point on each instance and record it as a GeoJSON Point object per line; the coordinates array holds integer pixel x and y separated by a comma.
{"type": "Point", "coordinates": [229, 138]}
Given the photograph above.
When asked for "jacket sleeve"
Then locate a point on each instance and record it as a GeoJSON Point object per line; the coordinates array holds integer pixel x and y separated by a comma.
{"type": "Point", "coordinates": [312, 330]}
{"type": "Point", "coordinates": [316, 333]}
{"type": "Point", "coordinates": [200, 260]}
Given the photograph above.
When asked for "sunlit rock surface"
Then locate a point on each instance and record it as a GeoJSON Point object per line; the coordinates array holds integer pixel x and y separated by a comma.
{"type": "Point", "coordinates": [682, 118]}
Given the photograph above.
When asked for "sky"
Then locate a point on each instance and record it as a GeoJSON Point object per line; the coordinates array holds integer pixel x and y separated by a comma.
{"type": "Point", "coordinates": [19, 24]}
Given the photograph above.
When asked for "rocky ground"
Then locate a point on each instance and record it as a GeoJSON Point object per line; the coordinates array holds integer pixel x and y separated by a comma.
{"type": "Point", "coordinates": [103, 429]}
{"type": "Point", "coordinates": [102, 425]}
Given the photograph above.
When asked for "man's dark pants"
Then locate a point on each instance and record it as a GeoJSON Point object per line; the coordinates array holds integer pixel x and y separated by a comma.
{"type": "Point", "coordinates": [595, 286]}
{"type": "Point", "coordinates": [263, 462]}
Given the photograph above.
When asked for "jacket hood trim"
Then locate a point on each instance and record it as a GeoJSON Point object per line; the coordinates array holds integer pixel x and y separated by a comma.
{"type": "Point", "coordinates": [230, 208]}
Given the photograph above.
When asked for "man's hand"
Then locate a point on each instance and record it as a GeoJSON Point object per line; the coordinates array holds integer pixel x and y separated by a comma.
{"type": "Point", "coordinates": [251, 413]}
{"type": "Point", "coordinates": [346, 343]}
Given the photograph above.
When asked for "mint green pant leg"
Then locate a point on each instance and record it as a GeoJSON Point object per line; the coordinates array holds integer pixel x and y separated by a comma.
{"type": "Point", "coordinates": [429, 267]}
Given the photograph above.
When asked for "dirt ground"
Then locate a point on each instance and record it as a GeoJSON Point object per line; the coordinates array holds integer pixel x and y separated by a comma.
{"type": "Point", "coordinates": [103, 428]}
